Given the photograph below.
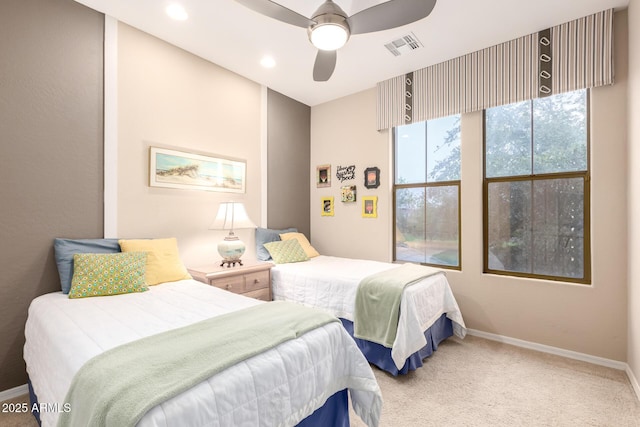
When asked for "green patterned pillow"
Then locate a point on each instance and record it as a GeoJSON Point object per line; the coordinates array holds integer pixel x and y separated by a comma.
{"type": "Point", "coordinates": [108, 274]}
{"type": "Point", "coordinates": [286, 251]}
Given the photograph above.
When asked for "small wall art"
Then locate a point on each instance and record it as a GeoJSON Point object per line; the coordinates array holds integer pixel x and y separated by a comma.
{"type": "Point", "coordinates": [344, 173]}
{"type": "Point", "coordinates": [372, 177]}
{"type": "Point", "coordinates": [370, 207]}
{"type": "Point", "coordinates": [323, 176]}
{"type": "Point", "coordinates": [327, 206]}
{"type": "Point", "coordinates": [348, 193]}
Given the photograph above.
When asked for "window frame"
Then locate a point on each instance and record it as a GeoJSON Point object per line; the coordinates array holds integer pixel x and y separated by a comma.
{"type": "Point", "coordinates": [425, 186]}
{"type": "Point", "coordinates": [585, 175]}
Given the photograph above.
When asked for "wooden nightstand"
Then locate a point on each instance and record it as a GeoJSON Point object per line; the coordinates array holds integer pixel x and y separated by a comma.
{"type": "Point", "coordinates": [251, 279]}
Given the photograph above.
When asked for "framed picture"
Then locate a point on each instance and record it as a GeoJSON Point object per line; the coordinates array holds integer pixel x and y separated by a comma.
{"type": "Point", "coordinates": [323, 176]}
{"type": "Point", "coordinates": [179, 169]}
{"type": "Point", "coordinates": [370, 207]}
{"type": "Point", "coordinates": [372, 177]}
{"type": "Point", "coordinates": [327, 206]}
{"type": "Point", "coordinates": [348, 193]}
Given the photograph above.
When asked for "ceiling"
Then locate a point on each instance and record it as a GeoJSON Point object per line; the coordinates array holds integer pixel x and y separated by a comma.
{"type": "Point", "coordinates": [236, 38]}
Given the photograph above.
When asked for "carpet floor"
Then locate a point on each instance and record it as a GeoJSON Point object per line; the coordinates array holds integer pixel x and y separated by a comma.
{"type": "Point", "coordinates": [477, 382]}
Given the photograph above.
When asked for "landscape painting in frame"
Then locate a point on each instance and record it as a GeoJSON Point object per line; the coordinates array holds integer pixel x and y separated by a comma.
{"type": "Point", "coordinates": [178, 169]}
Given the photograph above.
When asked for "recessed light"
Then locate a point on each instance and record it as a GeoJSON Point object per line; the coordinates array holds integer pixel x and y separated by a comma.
{"type": "Point", "coordinates": [177, 12]}
{"type": "Point", "coordinates": [268, 61]}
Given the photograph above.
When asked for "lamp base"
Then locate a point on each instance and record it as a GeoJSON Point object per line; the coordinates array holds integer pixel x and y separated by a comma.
{"type": "Point", "coordinates": [231, 249]}
{"type": "Point", "coordinates": [230, 263]}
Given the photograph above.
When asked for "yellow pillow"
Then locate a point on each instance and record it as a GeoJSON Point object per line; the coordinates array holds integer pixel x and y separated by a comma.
{"type": "Point", "coordinates": [306, 246]}
{"type": "Point", "coordinates": [163, 261]}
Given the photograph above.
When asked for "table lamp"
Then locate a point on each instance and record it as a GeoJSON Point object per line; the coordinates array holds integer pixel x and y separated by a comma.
{"type": "Point", "coordinates": [231, 216]}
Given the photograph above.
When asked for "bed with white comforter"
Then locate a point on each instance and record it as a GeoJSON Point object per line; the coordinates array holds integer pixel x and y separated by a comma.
{"type": "Point", "coordinates": [279, 387]}
{"type": "Point", "coordinates": [331, 283]}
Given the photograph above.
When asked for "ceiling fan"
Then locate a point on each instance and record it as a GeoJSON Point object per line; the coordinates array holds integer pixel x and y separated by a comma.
{"type": "Point", "coordinates": [329, 28]}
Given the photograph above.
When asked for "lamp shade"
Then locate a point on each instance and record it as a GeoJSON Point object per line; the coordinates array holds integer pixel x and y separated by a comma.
{"type": "Point", "coordinates": [231, 216]}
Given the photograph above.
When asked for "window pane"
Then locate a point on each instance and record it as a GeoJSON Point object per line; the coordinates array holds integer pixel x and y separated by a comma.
{"type": "Point", "coordinates": [442, 226]}
{"type": "Point", "coordinates": [410, 224]}
{"type": "Point", "coordinates": [411, 154]}
{"type": "Point", "coordinates": [443, 149]}
{"type": "Point", "coordinates": [427, 225]}
{"type": "Point", "coordinates": [537, 227]}
{"type": "Point", "coordinates": [558, 224]}
{"type": "Point", "coordinates": [560, 133]}
{"type": "Point", "coordinates": [508, 140]}
{"type": "Point", "coordinates": [509, 226]}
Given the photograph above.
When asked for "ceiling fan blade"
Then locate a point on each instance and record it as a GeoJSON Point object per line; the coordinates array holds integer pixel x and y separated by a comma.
{"type": "Point", "coordinates": [325, 64]}
{"type": "Point", "coordinates": [391, 14]}
{"type": "Point", "coordinates": [275, 11]}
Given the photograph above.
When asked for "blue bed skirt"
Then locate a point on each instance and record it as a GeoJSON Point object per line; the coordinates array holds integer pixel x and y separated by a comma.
{"type": "Point", "coordinates": [33, 399]}
{"type": "Point", "coordinates": [335, 411]}
{"type": "Point", "coordinates": [380, 356]}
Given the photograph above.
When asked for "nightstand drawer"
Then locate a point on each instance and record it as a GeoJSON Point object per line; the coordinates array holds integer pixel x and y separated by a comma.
{"type": "Point", "coordinates": [252, 279]}
{"type": "Point", "coordinates": [231, 284]}
{"type": "Point", "coordinates": [255, 281]}
{"type": "Point", "coordinates": [263, 294]}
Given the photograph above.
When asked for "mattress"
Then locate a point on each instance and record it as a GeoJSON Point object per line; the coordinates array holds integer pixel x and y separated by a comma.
{"type": "Point", "coordinates": [279, 387]}
{"type": "Point", "coordinates": [331, 283]}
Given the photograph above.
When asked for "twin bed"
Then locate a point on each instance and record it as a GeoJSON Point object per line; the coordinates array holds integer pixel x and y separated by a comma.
{"type": "Point", "coordinates": [297, 381]}
{"type": "Point", "coordinates": [428, 313]}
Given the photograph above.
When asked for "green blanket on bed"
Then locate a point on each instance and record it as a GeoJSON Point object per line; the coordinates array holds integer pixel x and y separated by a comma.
{"type": "Point", "coordinates": [377, 308]}
{"type": "Point", "coordinates": [117, 387]}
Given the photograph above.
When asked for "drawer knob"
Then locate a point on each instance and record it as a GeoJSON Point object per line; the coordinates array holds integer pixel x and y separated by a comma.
{"type": "Point", "coordinates": [256, 281]}
{"type": "Point", "coordinates": [229, 287]}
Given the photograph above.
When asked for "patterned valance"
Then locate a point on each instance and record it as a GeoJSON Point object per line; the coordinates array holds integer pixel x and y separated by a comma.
{"type": "Point", "coordinates": [567, 57]}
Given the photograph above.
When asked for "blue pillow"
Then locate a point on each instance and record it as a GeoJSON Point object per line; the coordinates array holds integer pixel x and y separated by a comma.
{"type": "Point", "coordinates": [266, 235]}
{"type": "Point", "coordinates": [65, 249]}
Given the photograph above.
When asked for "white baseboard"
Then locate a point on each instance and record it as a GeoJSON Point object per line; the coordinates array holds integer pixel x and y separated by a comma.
{"type": "Point", "coordinates": [13, 392]}
{"type": "Point", "coordinates": [552, 350]}
{"type": "Point", "coordinates": [634, 381]}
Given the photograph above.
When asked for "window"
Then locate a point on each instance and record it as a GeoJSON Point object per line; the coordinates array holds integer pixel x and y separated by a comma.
{"type": "Point", "coordinates": [536, 188]}
{"type": "Point", "coordinates": [427, 192]}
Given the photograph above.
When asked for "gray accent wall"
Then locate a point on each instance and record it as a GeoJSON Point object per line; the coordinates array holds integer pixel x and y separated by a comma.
{"type": "Point", "coordinates": [288, 160]}
{"type": "Point", "coordinates": [51, 158]}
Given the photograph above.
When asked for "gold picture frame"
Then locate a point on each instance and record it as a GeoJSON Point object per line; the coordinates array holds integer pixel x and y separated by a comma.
{"type": "Point", "coordinates": [327, 206]}
{"type": "Point", "coordinates": [370, 207]}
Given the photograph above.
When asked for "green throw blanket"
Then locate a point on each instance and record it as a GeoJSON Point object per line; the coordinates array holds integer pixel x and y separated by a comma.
{"type": "Point", "coordinates": [378, 297]}
{"type": "Point", "coordinates": [117, 387]}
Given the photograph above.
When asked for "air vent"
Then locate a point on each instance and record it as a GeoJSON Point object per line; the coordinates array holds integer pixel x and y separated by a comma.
{"type": "Point", "coordinates": [403, 45]}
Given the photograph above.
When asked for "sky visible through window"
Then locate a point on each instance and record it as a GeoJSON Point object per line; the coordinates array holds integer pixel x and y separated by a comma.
{"type": "Point", "coordinates": [410, 166]}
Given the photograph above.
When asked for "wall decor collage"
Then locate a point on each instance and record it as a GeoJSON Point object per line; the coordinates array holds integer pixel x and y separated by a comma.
{"type": "Point", "coordinates": [348, 190]}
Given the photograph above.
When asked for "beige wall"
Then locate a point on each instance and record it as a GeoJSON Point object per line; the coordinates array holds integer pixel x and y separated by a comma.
{"type": "Point", "coordinates": [50, 152]}
{"type": "Point", "coordinates": [343, 133]}
{"type": "Point", "coordinates": [633, 192]}
{"type": "Point", "coordinates": [172, 99]}
{"type": "Point", "coordinates": [586, 319]}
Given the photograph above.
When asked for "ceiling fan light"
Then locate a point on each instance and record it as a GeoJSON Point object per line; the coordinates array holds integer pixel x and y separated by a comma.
{"type": "Point", "coordinates": [329, 36]}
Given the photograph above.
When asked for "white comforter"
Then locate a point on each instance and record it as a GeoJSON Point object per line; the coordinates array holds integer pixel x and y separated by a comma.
{"type": "Point", "coordinates": [279, 387]}
{"type": "Point", "coordinates": [330, 283]}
